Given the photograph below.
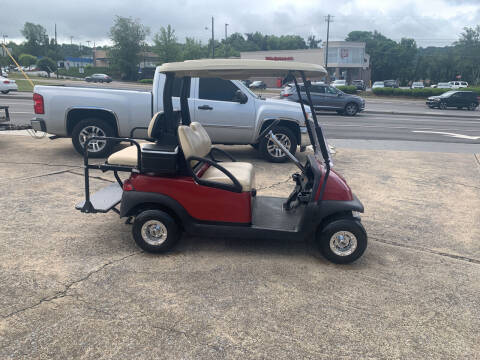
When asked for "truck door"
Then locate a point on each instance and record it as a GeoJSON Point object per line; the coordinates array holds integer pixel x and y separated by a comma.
{"type": "Point", "coordinates": [226, 121]}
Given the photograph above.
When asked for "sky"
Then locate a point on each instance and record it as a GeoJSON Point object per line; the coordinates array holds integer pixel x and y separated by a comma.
{"type": "Point", "coordinates": [429, 22]}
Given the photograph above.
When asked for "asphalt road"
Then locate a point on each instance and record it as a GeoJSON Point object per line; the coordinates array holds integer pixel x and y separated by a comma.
{"type": "Point", "coordinates": [364, 126]}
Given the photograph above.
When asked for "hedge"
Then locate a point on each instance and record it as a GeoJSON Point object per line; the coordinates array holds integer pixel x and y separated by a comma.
{"type": "Point", "coordinates": [348, 89]}
{"type": "Point", "coordinates": [420, 93]}
{"type": "Point", "coordinates": [87, 71]}
{"type": "Point", "coordinates": [146, 81]}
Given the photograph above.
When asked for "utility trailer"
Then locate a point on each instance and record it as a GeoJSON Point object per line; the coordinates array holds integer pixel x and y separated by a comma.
{"type": "Point", "coordinates": [5, 123]}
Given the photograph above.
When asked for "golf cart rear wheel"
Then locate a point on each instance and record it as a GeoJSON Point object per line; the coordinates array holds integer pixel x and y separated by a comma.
{"type": "Point", "coordinates": [271, 151]}
{"type": "Point", "coordinates": [155, 231]}
{"type": "Point", "coordinates": [343, 241]}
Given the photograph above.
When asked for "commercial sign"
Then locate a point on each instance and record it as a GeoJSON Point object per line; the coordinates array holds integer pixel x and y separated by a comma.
{"type": "Point", "coordinates": [279, 58]}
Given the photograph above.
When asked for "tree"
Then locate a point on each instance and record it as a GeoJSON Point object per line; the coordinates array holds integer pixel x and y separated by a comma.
{"type": "Point", "coordinates": [37, 38]}
{"type": "Point", "coordinates": [193, 49]}
{"type": "Point", "coordinates": [27, 60]}
{"type": "Point", "coordinates": [127, 35]}
{"type": "Point", "coordinates": [166, 46]}
{"type": "Point", "coordinates": [313, 42]}
{"type": "Point", "coordinates": [47, 64]}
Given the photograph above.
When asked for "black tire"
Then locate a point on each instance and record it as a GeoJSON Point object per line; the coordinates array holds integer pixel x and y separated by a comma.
{"type": "Point", "coordinates": [442, 106]}
{"type": "Point", "coordinates": [350, 225]}
{"type": "Point", "coordinates": [351, 109]}
{"type": "Point", "coordinates": [472, 106]}
{"type": "Point", "coordinates": [149, 228]}
{"type": "Point", "coordinates": [266, 144]}
{"type": "Point", "coordinates": [5, 91]}
{"type": "Point", "coordinates": [105, 130]}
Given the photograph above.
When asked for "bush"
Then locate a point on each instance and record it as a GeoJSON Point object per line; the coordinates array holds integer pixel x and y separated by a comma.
{"type": "Point", "coordinates": [47, 64]}
{"type": "Point", "coordinates": [348, 89]}
{"type": "Point", "coordinates": [27, 60]}
{"type": "Point", "coordinates": [418, 93]}
{"type": "Point", "coordinates": [146, 81]}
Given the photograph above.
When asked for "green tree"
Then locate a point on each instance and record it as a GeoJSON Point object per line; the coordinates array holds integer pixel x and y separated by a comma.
{"type": "Point", "coordinates": [193, 49]}
{"type": "Point", "coordinates": [47, 64]}
{"type": "Point", "coordinates": [313, 42]}
{"type": "Point", "coordinates": [27, 60]}
{"type": "Point", "coordinates": [37, 39]}
{"type": "Point", "coordinates": [128, 36]}
{"type": "Point", "coordinates": [166, 46]}
{"type": "Point", "coordinates": [468, 49]}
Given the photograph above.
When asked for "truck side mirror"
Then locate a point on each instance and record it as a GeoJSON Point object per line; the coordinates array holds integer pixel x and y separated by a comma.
{"type": "Point", "coordinates": [240, 97]}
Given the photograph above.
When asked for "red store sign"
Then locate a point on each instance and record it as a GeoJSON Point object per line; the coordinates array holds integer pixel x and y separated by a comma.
{"type": "Point", "coordinates": [279, 58]}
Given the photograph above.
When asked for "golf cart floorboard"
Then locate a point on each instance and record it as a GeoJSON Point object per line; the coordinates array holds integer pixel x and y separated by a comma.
{"type": "Point", "coordinates": [268, 213]}
{"type": "Point", "coordinates": [105, 199]}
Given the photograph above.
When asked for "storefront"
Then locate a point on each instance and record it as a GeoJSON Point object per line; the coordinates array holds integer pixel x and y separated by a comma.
{"type": "Point", "coordinates": [346, 60]}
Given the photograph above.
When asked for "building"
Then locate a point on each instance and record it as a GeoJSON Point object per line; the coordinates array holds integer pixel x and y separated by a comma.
{"type": "Point", "coordinates": [147, 59]}
{"type": "Point", "coordinates": [75, 62]}
{"type": "Point", "coordinates": [346, 60]}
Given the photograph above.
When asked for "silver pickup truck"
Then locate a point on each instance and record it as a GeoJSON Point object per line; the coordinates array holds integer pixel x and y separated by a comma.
{"type": "Point", "coordinates": [229, 111]}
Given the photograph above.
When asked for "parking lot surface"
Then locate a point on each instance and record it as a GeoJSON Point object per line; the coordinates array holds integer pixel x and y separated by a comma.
{"type": "Point", "coordinates": [76, 286]}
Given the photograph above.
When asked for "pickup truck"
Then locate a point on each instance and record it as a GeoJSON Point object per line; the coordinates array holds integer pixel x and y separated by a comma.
{"type": "Point", "coordinates": [230, 112]}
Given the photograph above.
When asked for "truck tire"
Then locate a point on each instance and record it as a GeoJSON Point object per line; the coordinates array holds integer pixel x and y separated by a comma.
{"type": "Point", "coordinates": [5, 91]}
{"type": "Point", "coordinates": [272, 152]}
{"type": "Point", "coordinates": [93, 127]}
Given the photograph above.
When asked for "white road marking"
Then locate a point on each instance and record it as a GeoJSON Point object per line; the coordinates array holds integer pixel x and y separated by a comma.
{"type": "Point", "coordinates": [459, 136]}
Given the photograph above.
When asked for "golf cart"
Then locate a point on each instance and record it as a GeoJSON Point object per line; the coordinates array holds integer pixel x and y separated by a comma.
{"type": "Point", "coordinates": [177, 183]}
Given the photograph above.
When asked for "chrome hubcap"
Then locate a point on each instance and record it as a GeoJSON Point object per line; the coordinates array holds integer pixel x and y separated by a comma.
{"type": "Point", "coordinates": [343, 243]}
{"type": "Point", "coordinates": [154, 232]}
{"type": "Point", "coordinates": [274, 150]}
{"type": "Point", "coordinates": [91, 131]}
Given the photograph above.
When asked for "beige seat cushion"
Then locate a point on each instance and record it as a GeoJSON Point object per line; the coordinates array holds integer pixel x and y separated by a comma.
{"type": "Point", "coordinates": [124, 157]}
{"type": "Point", "coordinates": [242, 171]}
{"type": "Point", "coordinates": [194, 140]}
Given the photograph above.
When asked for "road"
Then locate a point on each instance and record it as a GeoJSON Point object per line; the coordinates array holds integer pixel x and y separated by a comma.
{"type": "Point", "coordinates": [364, 126]}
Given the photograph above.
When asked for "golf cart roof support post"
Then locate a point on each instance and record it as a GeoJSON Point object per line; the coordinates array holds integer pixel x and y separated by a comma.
{"type": "Point", "coordinates": [184, 91]}
{"type": "Point", "coordinates": [310, 135]}
{"type": "Point", "coordinates": [167, 98]}
{"type": "Point", "coordinates": [318, 129]}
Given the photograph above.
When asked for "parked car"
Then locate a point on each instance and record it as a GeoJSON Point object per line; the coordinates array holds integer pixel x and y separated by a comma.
{"type": "Point", "coordinates": [458, 99]}
{"type": "Point", "coordinates": [390, 83]}
{"type": "Point", "coordinates": [359, 84]}
{"type": "Point", "coordinates": [443, 85]}
{"type": "Point", "coordinates": [230, 112]}
{"type": "Point", "coordinates": [99, 78]}
{"type": "Point", "coordinates": [4, 73]}
{"type": "Point", "coordinates": [7, 85]}
{"type": "Point", "coordinates": [378, 84]}
{"type": "Point", "coordinates": [325, 97]}
{"type": "Point", "coordinates": [418, 85]}
{"type": "Point", "coordinates": [458, 84]}
{"type": "Point", "coordinates": [258, 85]}
{"type": "Point", "coordinates": [339, 83]}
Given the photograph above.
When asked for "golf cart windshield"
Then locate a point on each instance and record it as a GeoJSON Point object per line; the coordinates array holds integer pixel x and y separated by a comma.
{"type": "Point", "coordinates": [236, 69]}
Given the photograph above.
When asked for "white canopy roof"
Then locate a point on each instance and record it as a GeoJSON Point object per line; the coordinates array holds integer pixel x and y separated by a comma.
{"type": "Point", "coordinates": [239, 68]}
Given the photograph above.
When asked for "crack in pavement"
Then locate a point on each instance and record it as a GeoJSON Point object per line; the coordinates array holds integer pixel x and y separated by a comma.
{"type": "Point", "coordinates": [36, 176]}
{"type": "Point", "coordinates": [422, 249]}
{"type": "Point", "coordinates": [63, 293]}
{"type": "Point", "coordinates": [39, 163]}
{"type": "Point", "coordinates": [275, 184]}
{"type": "Point", "coordinates": [478, 160]}
{"type": "Point", "coordinates": [91, 177]}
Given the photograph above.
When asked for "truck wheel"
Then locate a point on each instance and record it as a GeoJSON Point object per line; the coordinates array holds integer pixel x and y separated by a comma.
{"type": "Point", "coordinates": [5, 91]}
{"type": "Point", "coordinates": [343, 241]}
{"type": "Point", "coordinates": [155, 231]}
{"type": "Point", "coordinates": [272, 152]}
{"type": "Point", "coordinates": [351, 109]}
{"type": "Point", "coordinates": [88, 128]}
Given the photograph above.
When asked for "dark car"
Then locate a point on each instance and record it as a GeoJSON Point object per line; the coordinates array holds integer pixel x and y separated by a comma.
{"type": "Point", "coordinates": [359, 84]}
{"type": "Point", "coordinates": [326, 97]}
{"type": "Point", "coordinates": [99, 78]}
{"type": "Point", "coordinates": [391, 83]}
{"type": "Point", "coordinates": [258, 85]}
{"type": "Point", "coordinates": [458, 99]}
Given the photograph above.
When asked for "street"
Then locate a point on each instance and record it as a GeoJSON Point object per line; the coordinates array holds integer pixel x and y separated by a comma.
{"type": "Point", "coordinates": [462, 127]}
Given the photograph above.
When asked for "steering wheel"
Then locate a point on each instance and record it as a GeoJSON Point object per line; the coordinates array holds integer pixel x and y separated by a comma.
{"type": "Point", "coordinates": [268, 128]}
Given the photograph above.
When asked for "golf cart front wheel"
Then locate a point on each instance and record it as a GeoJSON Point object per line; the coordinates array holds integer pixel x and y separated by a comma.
{"type": "Point", "coordinates": [155, 231]}
{"type": "Point", "coordinates": [343, 241]}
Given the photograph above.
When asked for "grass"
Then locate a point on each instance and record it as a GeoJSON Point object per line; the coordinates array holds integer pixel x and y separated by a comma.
{"type": "Point", "coordinates": [24, 85]}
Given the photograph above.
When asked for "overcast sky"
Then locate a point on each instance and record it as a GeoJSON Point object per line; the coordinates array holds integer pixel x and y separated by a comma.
{"type": "Point", "coordinates": [432, 22]}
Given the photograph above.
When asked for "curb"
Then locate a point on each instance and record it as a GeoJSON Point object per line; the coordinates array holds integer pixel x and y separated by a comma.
{"type": "Point", "coordinates": [386, 112]}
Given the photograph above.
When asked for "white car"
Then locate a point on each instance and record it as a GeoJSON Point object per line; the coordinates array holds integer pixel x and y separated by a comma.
{"type": "Point", "coordinates": [458, 84]}
{"type": "Point", "coordinates": [378, 84]}
{"type": "Point", "coordinates": [7, 85]}
{"type": "Point", "coordinates": [418, 85]}
{"type": "Point", "coordinates": [339, 83]}
{"type": "Point", "coordinates": [444, 85]}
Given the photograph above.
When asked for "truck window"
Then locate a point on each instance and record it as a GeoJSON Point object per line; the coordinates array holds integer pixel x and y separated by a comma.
{"type": "Point", "coordinates": [177, 83]}
{"type": "Point", "coordinates": [216, 89]}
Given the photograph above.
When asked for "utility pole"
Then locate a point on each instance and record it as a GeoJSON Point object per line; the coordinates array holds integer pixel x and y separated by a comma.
{"type": "Point", "coordinates": [4, 36]}
{"type": "Point", "coordinates": [226, 32]}
{"type": "Point", "coordinates": [213, 40]}
{"type": "Point", "coordinates": [328, 20]}
{"type": "Point", "coordinates": [71, 40]}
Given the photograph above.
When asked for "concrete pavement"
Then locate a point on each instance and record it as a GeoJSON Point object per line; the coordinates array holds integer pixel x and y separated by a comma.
{"type": "Point", "coordinates": [76, 286]}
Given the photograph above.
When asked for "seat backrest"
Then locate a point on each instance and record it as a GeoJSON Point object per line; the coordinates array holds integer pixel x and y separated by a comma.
{"type": "Point", "coordinates": [151, 126]}
{"type": "Point", "coordinates": [194, 140]}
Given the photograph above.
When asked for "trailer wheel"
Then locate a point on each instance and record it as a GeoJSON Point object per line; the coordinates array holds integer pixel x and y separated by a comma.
{"type": "Point", "coordinates": [343, 241]}
{"type": "Point", "coordinates": [93, 127]}
{"type": "Point", "coordinates": [155, 231]}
